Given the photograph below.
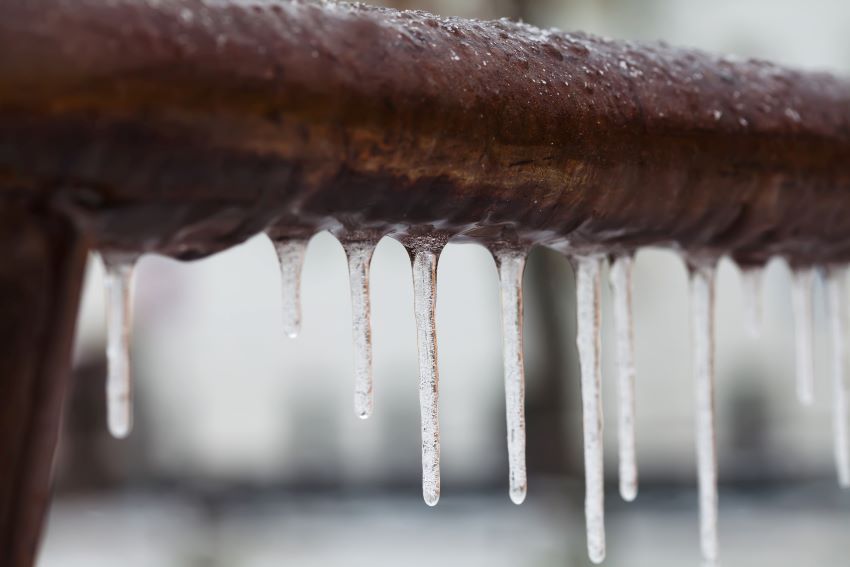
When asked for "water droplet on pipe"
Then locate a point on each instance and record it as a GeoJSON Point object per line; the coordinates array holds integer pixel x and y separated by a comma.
{"type": "Point", "coordinates": [359, 257]}
{"type": "Point", "coordinates": [290, 254]}
{"type": "Point", "coordinates": [837, 294]}
{"type": "Point", "coordinates": [119, 323]}
{"type": "Point", "coordinates": [621, 290]}
{"type": "Point", "coordinates": [702, 333]}
{"type": "Point", "coordinates": [511, 263]}
{"type": "Point", "coordinates": [801, 301]}
{"type": "Point", "coordinates": [589, 349]}
{"type": "Point", "coordinates": [424, 255]}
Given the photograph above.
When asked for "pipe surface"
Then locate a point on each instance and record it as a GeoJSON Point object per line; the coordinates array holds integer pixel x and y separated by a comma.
{"type": "Point", "coordinates": [186, 126]}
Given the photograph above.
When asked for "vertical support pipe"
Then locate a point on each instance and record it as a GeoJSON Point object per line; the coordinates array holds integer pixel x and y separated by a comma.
{"type": "Point", "coordinates": [43, 261]}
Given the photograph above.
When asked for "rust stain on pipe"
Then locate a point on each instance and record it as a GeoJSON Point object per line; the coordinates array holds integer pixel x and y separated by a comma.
{"type": "Point", "coordinates": [185, 126]}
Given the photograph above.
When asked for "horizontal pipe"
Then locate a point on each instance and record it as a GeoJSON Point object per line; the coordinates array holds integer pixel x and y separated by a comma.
{"type": "Point", "coordinates": [185, 126]}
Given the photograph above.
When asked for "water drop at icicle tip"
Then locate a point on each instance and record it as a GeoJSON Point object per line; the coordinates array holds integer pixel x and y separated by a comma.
{"type": "Point", "coordinates": [621, 292]}
{"type": "Point", "coordinates": [511, 264]}
{"type": "Point", "coordinates": [702, 337]}
{"type": "Point", "coordinates": [359, 255]}
{"type": "Point", "coordinates": [424, 254]}
{"type": "Point", "coordinates": [290, 255]}
{"type": "Point", "coordinates": [801, 302]}
{"type": "Point", "coordinates": [118, 281]}
{"type": "Point", "coordinates": [836, 286]}
{"type": "Point", "coordinates": [589, 351]}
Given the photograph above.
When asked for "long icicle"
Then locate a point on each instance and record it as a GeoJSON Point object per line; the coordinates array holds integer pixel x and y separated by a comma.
{"type": "Point", "coordinates": [837, 294]}
{"type": "Point", "coordinates": [751, 282]}
{"type": "Point", "coordinates": [589, 348]}
{"type": "Point", "coordinates": [290, 254]}
{"type": "Point", "coordinates": [801, 300]}
{"type": "Point", "coordinates": [702, 332]}
{"type": "Point", "coordinates": [511, 263]}
{"type": "Point", "coordinates": [424, 260]}
{"type": "Point", "coordinates": [359, 257]}
{"type": "Point", "coordinates": [621, 288]}
{"type": "Point", "coordinates": [119, 323]}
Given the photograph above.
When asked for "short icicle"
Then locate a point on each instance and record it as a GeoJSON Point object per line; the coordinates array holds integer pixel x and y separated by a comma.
{"type": "Point", "coordinates": [702, 333]}
{"type": "Point", "coordinates": [837, 294]}
{"type": "Point", "coordinates": [511, 263]}
{"type": "Point", "coordinates": [751, 282]}
{"type": "Point", "coordinates": [589, 350]}
{"type": "Point", "coordinates": [621, 289]}
{"type": "Point", "coordinates": [801, 300]}
{"type": "Point", "coordinates": [119, 322]}
{"type": "Point", "coordinates": [290, 254]}
{"type": "Point", "coordinates": [359, 254]}
{"type": "Point", "coordinates": [424, 254]}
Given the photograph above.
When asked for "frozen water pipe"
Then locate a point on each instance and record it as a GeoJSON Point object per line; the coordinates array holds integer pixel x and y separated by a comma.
{"type": "Point", "coordinates": [183, 127]}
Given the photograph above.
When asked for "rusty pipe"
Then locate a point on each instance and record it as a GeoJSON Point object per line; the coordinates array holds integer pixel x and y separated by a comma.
{"type": "Point", "coordinates": [185, 126]}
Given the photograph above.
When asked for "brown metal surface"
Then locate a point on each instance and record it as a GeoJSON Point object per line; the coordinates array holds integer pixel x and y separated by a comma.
{"type": "Point", "coordinates": [186, 126]}
{"type": "Point", "coordinates": [40, 280]}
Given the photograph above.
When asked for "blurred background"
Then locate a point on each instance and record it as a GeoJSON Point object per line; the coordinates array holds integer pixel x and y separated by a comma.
{"type": "Point", "coordinates": [246, 450]}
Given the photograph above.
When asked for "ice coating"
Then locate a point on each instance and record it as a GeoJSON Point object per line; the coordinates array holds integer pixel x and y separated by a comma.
{"type": "Point", "coordinates": [119, 323]}
{"type": "Point", "coordinates": [751, 283]}
{"type": "Point", "coordinates": [836, 286]}
{"type": "Point", "coordinates": [621, 290]}
{"type": "Point", "coordinates": [511, 263]}
{"type": "Point", "coordinates": [589, 350]}
{"type": "Point", "coordinates": [290, 253]}
{"type": "Point", "coordinates": [801, 302]}
{"type": "Point", "coordinates": [702, 335]}
{"type": "Point", "coordinates": [424, 255]}
{"type": "Point", "coordinates": [359, 257]}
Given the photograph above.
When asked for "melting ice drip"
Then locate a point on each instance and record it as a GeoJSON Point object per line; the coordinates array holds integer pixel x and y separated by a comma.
{"type": "Point", "coordinates": [801, 301]}
{"type": "Point", "coordinates": [751, 287]}
{"type": "Point", "coordinates": [589, 349]}
{"type": "Point", "coordinates": [424, 252]}
{"type": "Point", "coordinates": [621, 290]}
{"type": "Point", "coordinates": [359, 255]}
{"type": "Point", "coordinates": [511, 263]}
{"type": "Point", "coordinates": [836, 287]}
{"type": "Point", "coordinates": [702, 335]}
{"type": "Point", "coordinates": [291, 254]}
{"type": "Point", "coordinates": [119, 322]}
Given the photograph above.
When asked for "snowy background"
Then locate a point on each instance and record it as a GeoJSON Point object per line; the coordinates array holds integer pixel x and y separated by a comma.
{"type": "Point", "coordinates": [246, 449]}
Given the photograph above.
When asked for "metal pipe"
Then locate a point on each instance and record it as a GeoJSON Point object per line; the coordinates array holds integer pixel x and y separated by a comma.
{"type": "Point", "coordinates": [185, 126]}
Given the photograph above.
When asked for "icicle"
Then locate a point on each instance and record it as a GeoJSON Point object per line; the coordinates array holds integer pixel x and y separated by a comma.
{"type": "Point", "coordinates": [291, 254]}
{"type": "Point", "coordinates": [621, 288]}
{"type": "Point", "coordinates": [588, 342]}
{"type": "Point", "coordinates": [751, 281]}
{"type": "Point", "coordinates": [424, 254]}
{"type": "Point", "coordinates": [801, 296]}
{"type": "Point", "coordinates": [119, 323]}
{"type": "Point", "coordinates": [511, 263]}
{"type": "Point", "coordinates": [837, 293]}
{"type": "Point", "coordinates": [359, 257]}
{"type": "Point", "coordinates": [702, 331]}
